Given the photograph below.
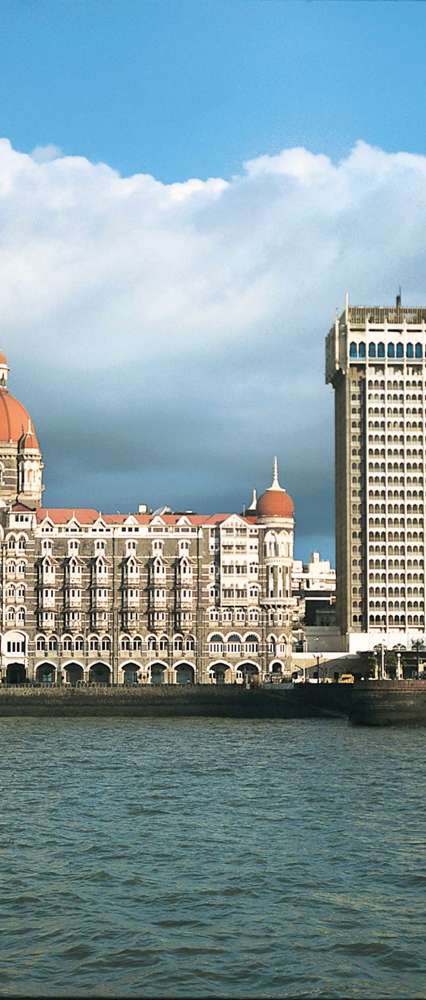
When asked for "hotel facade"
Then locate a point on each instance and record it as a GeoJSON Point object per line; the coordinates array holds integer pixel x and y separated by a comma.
{"type": "Point", "coordinates": [144, 598]}
{"type": "Point", "coordinates": [376, 363]}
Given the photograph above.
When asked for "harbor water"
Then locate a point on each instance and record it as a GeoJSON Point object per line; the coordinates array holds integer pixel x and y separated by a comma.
{"type": "Point", "coordinates": [211, 858]}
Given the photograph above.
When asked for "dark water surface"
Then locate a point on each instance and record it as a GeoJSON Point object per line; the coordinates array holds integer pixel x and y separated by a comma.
{"type": "Point", "coordinates": [212, 858]}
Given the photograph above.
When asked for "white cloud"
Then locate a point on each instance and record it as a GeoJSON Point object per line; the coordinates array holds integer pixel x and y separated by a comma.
{"type": "Point", "coordinates": [234, 282]}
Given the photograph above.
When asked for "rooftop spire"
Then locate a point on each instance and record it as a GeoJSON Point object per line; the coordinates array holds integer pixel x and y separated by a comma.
{"type": "Point", "coordinates": [4, 370]}
{"type": "Point", "coordinates": [253, 501]}
{"type": "Point", "coordinates": [275, 481]}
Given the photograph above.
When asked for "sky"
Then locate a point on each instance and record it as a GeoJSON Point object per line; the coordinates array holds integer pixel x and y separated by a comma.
{"type": "Point", "coordinates": [187, 189]}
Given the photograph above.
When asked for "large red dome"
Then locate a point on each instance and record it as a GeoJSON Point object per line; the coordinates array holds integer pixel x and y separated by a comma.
{"type": "Point", "coordinates": [14, 420]}
{"type": "Point", "coordinates": [275, 503]}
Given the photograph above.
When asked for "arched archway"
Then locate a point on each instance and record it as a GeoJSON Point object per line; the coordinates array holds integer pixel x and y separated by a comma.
{"type": "Point", "coordinates": [217, 672]}
{"type": "Point", "coordinates": [250, 672]}
{"type": "Point", "coordinates": [46, 673]}
{"type": "Point", "coordinates": [73, 673]}
{"type": "Point", "coordinates": [185, 673]}
{"type": "Point", "coordinates": [16, 673]}
{"type": "Point", "coordinates": [158, 673]}
{"type": "Point", "coordinates": [130, 673]}
{"type": "Point", "coordinates": [99, 673]}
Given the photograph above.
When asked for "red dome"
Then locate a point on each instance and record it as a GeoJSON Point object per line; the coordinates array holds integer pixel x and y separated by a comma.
{"type": "Point", "coordinates": [275, 503]}
{"type": "Point", "coordinates": [15, 420]}
{"type": "Point", "coordinates": [3, 358]}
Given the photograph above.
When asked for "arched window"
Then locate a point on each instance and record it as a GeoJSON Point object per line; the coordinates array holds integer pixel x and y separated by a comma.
{"type": "Point", "coordinates": [380, 350]}
{"type": "Point", "coordinates": [371, 350]}
{"type": "Point", "coordinates": [419, 351]}
{"type": "Point", "coordinates": [234, 643]}
{"type": "Point", "coordinates": [391, 350]}
{"type": "Point", "coordinates": [410, 351]}
{"type": "Point", "coordinates": [353, 350]}
{"type": "Point", "coordinates": [399, 350]}
{"type": "Point", "coordinates": [216, 644]}
{"type": "Point", "coordinates": [361, 350]}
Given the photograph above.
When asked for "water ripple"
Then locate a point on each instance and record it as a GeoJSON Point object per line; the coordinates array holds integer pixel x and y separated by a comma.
{"type": "Point", "coordinates": [212, 858]}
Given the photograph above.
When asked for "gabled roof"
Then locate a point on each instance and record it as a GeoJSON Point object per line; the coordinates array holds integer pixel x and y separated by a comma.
{"type": "Point", "coordinates": [63, 515]}
{"type": "Point", "coordinates": [89, 516]}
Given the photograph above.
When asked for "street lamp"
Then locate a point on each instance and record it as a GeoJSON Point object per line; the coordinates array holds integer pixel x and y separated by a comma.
{"type": "Point", "coordinates": [318, 659]}
{"type": "Point", "coordinates": [399, 670]}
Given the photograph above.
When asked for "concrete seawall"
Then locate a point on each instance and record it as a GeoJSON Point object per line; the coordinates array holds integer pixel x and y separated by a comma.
{"type": "Point", "coordinates": [387, 703]}
{"type": "Point", "coordinates": [379, 703]}
{"type": "Point", "coordinates": [202, 700]}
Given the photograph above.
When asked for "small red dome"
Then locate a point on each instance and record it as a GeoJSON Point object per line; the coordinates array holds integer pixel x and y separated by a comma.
{"type": "Point", "coordinates": [275, 503]}
{"type": "Point", "coordinates": [15, 420]}
{"type": "Point", "coordinates": [3, 358]}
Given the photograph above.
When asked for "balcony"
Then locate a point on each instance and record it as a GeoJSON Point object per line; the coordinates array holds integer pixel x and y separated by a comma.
{"type": "Point", "coordinates": [46, 602]}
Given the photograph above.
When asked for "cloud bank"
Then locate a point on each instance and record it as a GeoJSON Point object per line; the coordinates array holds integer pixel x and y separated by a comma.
{"type": "Point", "coordinates": [168, 338]}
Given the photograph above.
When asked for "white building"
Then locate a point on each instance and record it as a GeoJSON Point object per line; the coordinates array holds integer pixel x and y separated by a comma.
{"type": "Point", "coordinates": [315, 575]}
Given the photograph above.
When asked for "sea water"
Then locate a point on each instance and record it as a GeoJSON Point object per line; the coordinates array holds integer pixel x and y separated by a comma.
{"type": "Point", "coordinates": [211, 858]}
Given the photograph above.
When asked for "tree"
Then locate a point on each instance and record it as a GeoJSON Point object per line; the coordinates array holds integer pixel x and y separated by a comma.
{"type": "Point", "coordinates": [391, 663]}
{"type": "Point", "coordinates": [372, 665]}
{"type": "Point", "coordinates": [418, 646]}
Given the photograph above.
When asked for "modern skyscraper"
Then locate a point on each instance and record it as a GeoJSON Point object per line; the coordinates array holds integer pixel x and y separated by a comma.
{"type": "Point", "coordinates": [376, 362]}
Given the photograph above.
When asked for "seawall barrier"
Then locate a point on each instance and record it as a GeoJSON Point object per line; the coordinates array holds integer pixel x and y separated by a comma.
{"type": "Point", "coordinates": [378, 703]}
{"type": "Point", "coordinates": [180, 700]}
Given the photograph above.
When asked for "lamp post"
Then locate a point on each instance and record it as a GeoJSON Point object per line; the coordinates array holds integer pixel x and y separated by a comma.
{"type": "Point", "coordinates": [318, 659]}
{"type": "Point", "coordinates": [399, 669]}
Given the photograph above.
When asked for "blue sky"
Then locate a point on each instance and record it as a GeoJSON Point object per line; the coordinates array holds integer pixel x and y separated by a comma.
{"type": "Point", "coordinates": [177, 328]}
{"type": "Point", "coordinates": [182, 88]}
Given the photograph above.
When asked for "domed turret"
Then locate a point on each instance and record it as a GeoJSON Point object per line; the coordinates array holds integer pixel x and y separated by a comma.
{"type": "Point", "coordinates": [20, 457]}
{"type": "Point", "coordinates": [275, 502]}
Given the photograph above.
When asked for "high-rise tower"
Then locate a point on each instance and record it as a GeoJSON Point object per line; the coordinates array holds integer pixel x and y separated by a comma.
{"type": "Point", "coordinates": [376, 362]}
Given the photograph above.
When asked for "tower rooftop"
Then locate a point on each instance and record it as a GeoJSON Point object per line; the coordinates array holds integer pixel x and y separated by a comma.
{"type": "Point", "coordinates": [383, 314]}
